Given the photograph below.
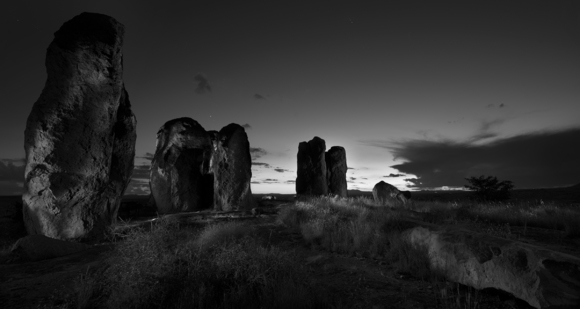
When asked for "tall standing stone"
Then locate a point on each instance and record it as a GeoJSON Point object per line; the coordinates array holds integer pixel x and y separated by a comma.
{"type": "Point", "coordinates": [336, 169]}
{"type": "Point", "coordinates": [232, 169]}
{"type": "Point", "coordinates": [80, 135]}
{"type": "Point", "coordinates": [311, 172]}
{"type": "Point", "coordinates": [180, 176]}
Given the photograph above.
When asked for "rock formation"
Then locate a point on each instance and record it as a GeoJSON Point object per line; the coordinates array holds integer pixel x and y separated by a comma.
{"type": "Point", "coordinates": [320, 172]}
{"type": "Point", "coordinates": [541, 277]}
{"type": "Point", "coordinates": [231, 165]}
{"type": "Point", "coordinates": [195, 169]}
{"type": "Point", "coordinates": [383, 192]}
{"type": "Point", "coordinates": [336, 171]}
{"type": "Point", "coordinates": [180, 176]}
{"type": "Point", "coordinates": [80, 135]}
{"type": "Point", "coordinates": [311, 171]}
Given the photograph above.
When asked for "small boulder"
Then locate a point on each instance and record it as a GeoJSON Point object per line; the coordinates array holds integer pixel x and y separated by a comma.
{"type": "Point", "coordinates": [311, 171]}
{"type": "Point", "coordinates": [383, 192]}
{"type": "Point", "coordinates": [336, 169]}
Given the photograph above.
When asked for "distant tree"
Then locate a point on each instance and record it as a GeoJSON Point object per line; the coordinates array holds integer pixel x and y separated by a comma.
{"type": "Point", "coordinates": [489, 187]}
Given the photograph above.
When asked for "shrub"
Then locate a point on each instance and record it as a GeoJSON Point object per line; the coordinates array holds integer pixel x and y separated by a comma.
{"type": "Point", "coordinates": [489, 187]}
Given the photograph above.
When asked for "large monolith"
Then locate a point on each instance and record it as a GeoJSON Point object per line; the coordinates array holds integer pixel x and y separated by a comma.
{"type": "Point", "coordinates": [80, 135]}
{"type": "Point", "coordinates": [180, 176]}
{"type": "Point", "coordinates": [231, 165]}
{"type": "Point", "coordinates": [311, 171]}
{"type": "Point", "coordinates": [336, 169]}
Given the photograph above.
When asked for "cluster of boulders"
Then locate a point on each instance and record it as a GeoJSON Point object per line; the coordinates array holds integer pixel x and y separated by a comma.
{"type": "Point", "coordinates": [384, 192]}
{"type": "Point", "coordinates": [320, 172]}
{"type": "Point", "coordinates": [195, 169]}
{"type": "Point", "coordinates": [80, 135]}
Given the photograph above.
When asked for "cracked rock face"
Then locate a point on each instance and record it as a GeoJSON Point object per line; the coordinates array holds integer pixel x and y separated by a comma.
{"type": "Point", "coordinates": [195, 169]}
{"type": "Point", "coordinates": [232, 169]}
{"type": "Point", "coordinates": [542, 277]}
{"type": "Point", "coordinates": [80, 135]}
{"type": "Point", "coordinates": [180, 169]}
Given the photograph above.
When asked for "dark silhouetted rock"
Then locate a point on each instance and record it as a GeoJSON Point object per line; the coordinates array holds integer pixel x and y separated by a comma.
{"type": "Point", "coordinates": [311, 173]}
{"type": "Point", "coordinates": [180, 178]}
{"type": "Point", "coordinates": [406, 194]}
{"type": "Point", "coordinates": [384, 192]}
{"type": "Point", "coordinates": [336, 171]}
{"type": "Point", "coordinates": [80, 134]}
{"type": "Point", "coordinates": [40, 247]}
{"type": "Point", "coordinates": [231, 165]}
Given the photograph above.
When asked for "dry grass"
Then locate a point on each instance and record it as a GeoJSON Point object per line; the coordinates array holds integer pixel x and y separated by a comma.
{"type": "Point", "coordinates": [222, 266]}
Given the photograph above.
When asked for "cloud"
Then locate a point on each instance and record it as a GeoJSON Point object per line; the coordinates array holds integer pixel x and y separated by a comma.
{"type": "Point", "coordinates": [352, 178]}
{"type": "Point", "coordinates": [502, 105]}
{"type": "Point", "coordinates": [141, 172]}
{"type": "Point", "coordinates": [290, 181]}
{"type": "Point", "coordinates": [281, 170]}
{"type": "Point", "coordinates": [138, 187]}
{"type": "Point", "coordinates": [262, 164]}
{"type": "Point", "coordinates": [11, 187]}
{"type": "Point", "coordinates": [533, 160]}
{"type": "Point", "coordinates": [202, 84]}
{"type": "Point", "coordinates": [257, 153]}
{"type": "Point", "coordinates": [147, 155]}
{"type": "Point", "coordinates": [247, 126]}
{"type": "Point", "coordinates": [394, 175]}
{"type": "Point", "coordinates": [259, 97]}
{"type": "Point", "coordinates": [11, 172]}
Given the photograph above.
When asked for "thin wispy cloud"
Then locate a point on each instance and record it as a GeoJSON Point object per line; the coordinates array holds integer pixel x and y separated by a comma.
{"type": "Point", "coordinates": [258, 96]}
{"type": "Point", "coordinates": [202, 84]}
{"type": "Point", "coordinates": [394, 175]}
{"type": "Point", "coordinates": [11, 172]}
{"type": "Point", "coordinates": [246, 126]}
{"type": "Point", "coordinates": [147, 156]}
{"type": "Point", "coordinates": [256, 153]}
{"type": "Point", "coordinates": [261, 164]}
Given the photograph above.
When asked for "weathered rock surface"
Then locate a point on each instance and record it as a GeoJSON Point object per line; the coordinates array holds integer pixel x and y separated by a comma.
{"type": "Point", "coordinates": [231, 165]}
{"type": "Point", "coordinates": [40, 247]}
{"type": "Point", "coordinates": [180, 170]}
{"type": "Point", "coordinates": [336, 169]}
{"type": "Point", "coordinates": [384, 192]}
{"type": "Point", "coordinates": [80, 135]}
{"type": "Point", "coordinates": [541, 277]}
{"type": "Point", "coordinates": [311, 173]}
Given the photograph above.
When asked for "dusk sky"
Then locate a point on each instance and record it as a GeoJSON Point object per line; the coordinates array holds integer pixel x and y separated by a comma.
{"type": "Point", "coordinates": [421, 94]}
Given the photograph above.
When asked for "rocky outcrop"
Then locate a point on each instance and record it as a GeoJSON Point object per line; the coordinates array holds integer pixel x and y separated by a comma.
{"type": "Point", "coordinates": [320, 172]}
{"type": "Point", "coordinates": [541, 277]}
{"type": "Point", "coordinates": [336, 169]}
{"type": "Point", "coordinates": [231, 165]}
{"type": "Point", "coordinates": [80, 135]}
{"type": "Point", "coordinates": [384, 192]}
{"type": "Point", "coordinates": [180, 176]}
{"type": "Point", "coordinates": [195, 169]}
{"type": "Point", "coordinates": [311, 171]}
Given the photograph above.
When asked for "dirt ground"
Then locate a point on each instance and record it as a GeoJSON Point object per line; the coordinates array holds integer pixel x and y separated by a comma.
{"type": "Point", "coordinates": [359, 282]}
